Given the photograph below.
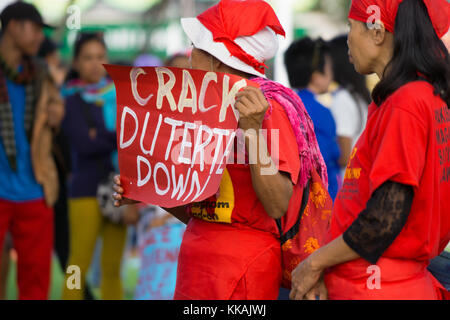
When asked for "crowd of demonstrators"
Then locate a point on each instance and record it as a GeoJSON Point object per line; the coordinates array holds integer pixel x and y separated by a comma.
{"type": "Point", "coordinates": [350, 100]}
{"type": "Point", "coordinates": [241, 259]}
{"type": "Point", "coordinates": [58, 152]}
{"type": "Point", "coordinates": [394, 212]}
{"type": "Point", "coordinates": [310, 71]}
{"type": "Point", "coordinates": [30, 110]}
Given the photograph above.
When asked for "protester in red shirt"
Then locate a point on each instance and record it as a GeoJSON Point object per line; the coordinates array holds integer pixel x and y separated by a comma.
{"type": "Point", "coordinates": [392, 215]}
{"type": "Point", "coordinates": [231, 247]}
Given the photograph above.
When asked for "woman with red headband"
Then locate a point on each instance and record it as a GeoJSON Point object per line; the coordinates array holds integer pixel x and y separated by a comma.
{"type": "Point", "coordinates": [392, 215]}
{"type": "Point", "coordinates": [237, 254]}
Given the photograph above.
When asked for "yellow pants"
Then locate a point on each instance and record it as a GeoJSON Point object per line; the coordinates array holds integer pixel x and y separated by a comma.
{"type": "Point", "coordinates": [86, 224]}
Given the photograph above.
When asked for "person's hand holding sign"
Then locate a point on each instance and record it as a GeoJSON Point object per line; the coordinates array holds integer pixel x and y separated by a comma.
{"type": "Point", "coordinates": [119, 200]}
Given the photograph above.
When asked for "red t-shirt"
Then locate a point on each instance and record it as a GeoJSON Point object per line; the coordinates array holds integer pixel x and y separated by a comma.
{"type": "Point", "coordinates": [406, 140]}
{"type": "Point", "coordinates": [236, 201]}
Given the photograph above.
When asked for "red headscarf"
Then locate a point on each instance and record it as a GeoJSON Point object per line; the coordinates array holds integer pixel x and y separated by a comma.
{"type": "Point", "coordinates": [364, 10]}
{"type": "Point", "coordinates": [230, 19]}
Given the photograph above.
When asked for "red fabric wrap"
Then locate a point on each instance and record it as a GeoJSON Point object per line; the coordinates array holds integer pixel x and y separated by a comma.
{"type": "Point", "coordinates": [363, 10]}
{"type": "Point", "coordinates": [230, 19]}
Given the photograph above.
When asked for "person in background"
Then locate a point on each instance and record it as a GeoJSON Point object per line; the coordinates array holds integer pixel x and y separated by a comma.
{"type": "Point", "coordinates": [90, 128]}
{"type": "Point", "coordinates": [392, 217]}
{"type": "Point", "coordinates": [31, 109]}
{"type": "Point", "coordinates": [238, 255]}
{"type": "Point", "coordinates": [350, 100]}
{"type": "Point", "coordinates": [179, 60]}
{"type": "Point", "coordinates": [310, 71]}
{"type": "Point", "coordinates": [61, 154]}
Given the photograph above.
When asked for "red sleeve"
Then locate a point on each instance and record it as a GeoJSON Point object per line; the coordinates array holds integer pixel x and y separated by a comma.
{"type": "Point", "coordinates": [281, 142]}
{"type": "Point", "coordinates": [398, 144]}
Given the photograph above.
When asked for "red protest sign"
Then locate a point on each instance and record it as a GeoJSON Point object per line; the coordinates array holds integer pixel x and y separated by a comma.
{"type": "Point", "coordinates": [175, 130]}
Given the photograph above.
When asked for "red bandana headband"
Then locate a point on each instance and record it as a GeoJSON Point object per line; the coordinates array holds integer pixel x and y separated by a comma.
{"type": "Point", "coordinates": [365, 10]}
{"type": "Point", "coordinates": [230, 19]}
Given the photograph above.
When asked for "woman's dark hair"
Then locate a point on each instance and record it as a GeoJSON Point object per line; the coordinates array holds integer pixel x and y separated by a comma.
{"type": "Point", "coordinates": [344, 72]}
{"type": "Point", "coordinates": [80, 41]}
{"type": "Point", "coordinates": [303, 58]}
{"type": "Point", "coordinates": [418, 54]}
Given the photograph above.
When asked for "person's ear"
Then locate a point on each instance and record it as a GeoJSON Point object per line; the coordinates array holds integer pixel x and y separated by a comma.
{"type": "Point", "coordinates": [378, 33]}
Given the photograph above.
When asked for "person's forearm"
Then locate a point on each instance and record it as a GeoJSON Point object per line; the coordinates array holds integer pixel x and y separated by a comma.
{"type": "Point", "coordinates": [179, 213]}
{"type": "Point", "coordinates": [345, 144]}
{"type": "Point", "coordinates": [334, 253]}
{"type": "Point", "coordinates": [272, 188]}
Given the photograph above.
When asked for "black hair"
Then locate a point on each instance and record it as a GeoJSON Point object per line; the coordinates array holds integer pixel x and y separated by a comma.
{"type": "Point", "coordinates": [418, 54]}
{"type": "Point", "coordinates": [303, 58]}
{"type": "Point", "coordinates": [81, 40]}
{"type": "Point", "coordinates": [344, 72]}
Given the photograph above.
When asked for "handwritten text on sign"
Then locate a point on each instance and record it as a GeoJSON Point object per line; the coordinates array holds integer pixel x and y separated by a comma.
{"type": "Point", "coordinates": [176, 128]}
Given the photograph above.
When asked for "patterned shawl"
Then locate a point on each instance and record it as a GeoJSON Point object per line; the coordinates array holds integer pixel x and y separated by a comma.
{"type": "Point", "coordinates": [302, 125]}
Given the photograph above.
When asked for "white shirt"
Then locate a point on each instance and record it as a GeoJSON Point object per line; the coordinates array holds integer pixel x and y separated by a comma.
{"type": "Point", "coordinates": [350, 121]}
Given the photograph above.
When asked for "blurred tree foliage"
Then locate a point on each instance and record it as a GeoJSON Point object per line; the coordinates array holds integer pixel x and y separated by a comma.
{"type": "Point", "coordinates": [337, 9]}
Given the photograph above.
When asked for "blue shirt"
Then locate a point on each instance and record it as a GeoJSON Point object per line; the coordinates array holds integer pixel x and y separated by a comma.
{"type": "Point", "coordinates": [325, 129]}
{"type": "Point", "coordinates": [21, 185]}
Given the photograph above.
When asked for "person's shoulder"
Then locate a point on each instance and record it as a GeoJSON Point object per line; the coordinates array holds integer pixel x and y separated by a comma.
{"type": "Point", "coordinates": [342, 93]}
{"type": "Point", "coordinates": [413, 92]}
{"type": "Point", "coordinates": [276, 111]}
{"type": "Point", "coordinates": [342, 100]}
{"type": "Point", "coordinates": [417, 97]}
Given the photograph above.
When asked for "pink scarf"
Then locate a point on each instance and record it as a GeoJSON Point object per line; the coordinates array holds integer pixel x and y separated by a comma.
{"type": "Point", "coordinates": [302, 125]}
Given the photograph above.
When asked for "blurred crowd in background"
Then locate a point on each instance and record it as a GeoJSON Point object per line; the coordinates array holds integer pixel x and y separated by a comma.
{"type": "Point", "coordinates": [135, 255]}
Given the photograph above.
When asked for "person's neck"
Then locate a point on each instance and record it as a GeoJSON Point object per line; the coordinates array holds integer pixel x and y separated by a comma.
{"type": "Point", "coordinates": [380, 68]}
{"type": "Point", "coordinates": [226, 69]}
{"type": "Point", "coordinates": [383, 61]}
{"type": "Point", "coordinates": [9, 52]}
